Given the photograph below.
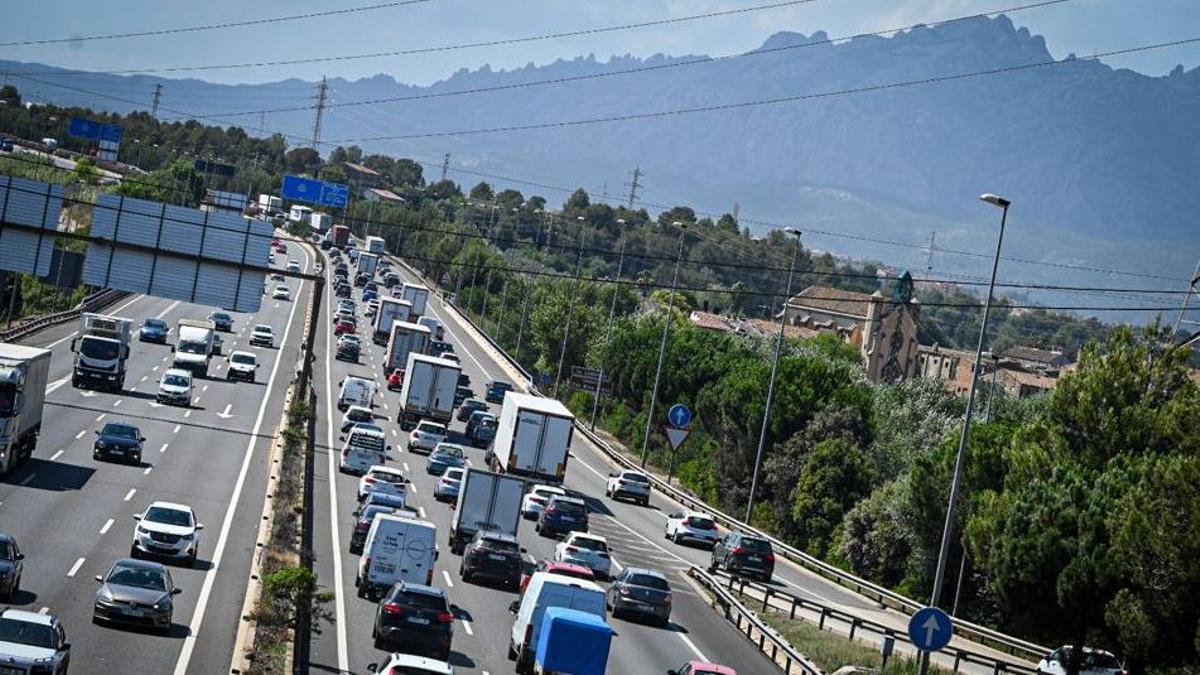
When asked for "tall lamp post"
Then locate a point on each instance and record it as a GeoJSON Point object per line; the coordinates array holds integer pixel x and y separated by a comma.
{"type": "Point", "coordinates": [662, 348]}
{"type": "Point", "coordinates": [960, 460]}
{"type": "Point", "coordinates": [612, 311]}
{"type": "Point", "coordinates": [762, 434]}
{"type": "Point", "coordinates": [562, 354]}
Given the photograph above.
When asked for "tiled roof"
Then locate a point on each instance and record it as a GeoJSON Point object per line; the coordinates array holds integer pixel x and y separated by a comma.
{"type": "Point", "coordinates": [1033, 354]}
{"type": "Point", "coordinates": [772, 328]}
{"type": "Point", "coordinates": [387, 194]}
{"type": "Point", "coordinates": [364, 170]}
{"type": "Point", "coordinates": [835, 300]}
{"type": "Point", "coordinates": [710, 321]}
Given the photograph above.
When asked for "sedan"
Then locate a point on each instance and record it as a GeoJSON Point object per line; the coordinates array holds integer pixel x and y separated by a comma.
{"type": "Point", "coordinates": [354, 415]}
{"type": "Point", "coordinates": [448, 485]}
{"type": "Point", "coordinates": [167, 530]}
{"type": "Point", "coordinates": [11, 565]}
{"type": "Point", "coordinates": [396, 380]}
{"type": "Point", "coordinates": [642, 593]}
{"type": "Point", "coordinates": [154, 330]}
{"type": "Point", "coordinates": [469, 406]}
{"type": "Point", "coordinates": [281, 293]}
{"type": "Point", "coordinates": [588, 550]}
{"type": "Point", "coordinates": [136, 592]}
{"type": "Point", "coordinates": [445, 456]}
{"type": "Point", "coordinates": [119, 440]}
{"type": "Point", "coordinates": [382, 479]}
{"type": "Point", "coordinates": [426, 436]}
{"type": "Point", "coordinates": [222, 321]}
{"type": "Point", "coordinates": [691, 526]}
{"type": "Point", "coordinates": [344, 327]}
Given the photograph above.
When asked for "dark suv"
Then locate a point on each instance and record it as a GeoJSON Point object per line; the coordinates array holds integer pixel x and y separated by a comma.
{"type": "Point", "coordinates": [744, 555]}
{"type": "Point", "coordinates": [494, 555]}
{"type": "Point", "coordinates": [414, 619]}
{"type": "Point", "coordinates": [563, 515]}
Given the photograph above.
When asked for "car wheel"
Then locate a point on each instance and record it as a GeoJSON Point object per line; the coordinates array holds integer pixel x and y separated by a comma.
{"type": "Point", "coordinates": [192, 560]}
{"type": "Point", "coordinates": [676, 538]}
{"type": "Point", "coordinates": [134, 553]}
{"type": "Point", "coordinates": [512, 651]}
{"type": "Point", "coordinates": [646, 502]}
{"type": "Point", "coordinates": [712, 565]}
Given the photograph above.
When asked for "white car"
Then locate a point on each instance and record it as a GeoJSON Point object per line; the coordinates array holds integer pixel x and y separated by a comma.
{"type": "Point", "coordinates": [692, 526]}
{"type": "Point", "coordinates": [262, 335]}
{"type": "Point", "coordinates": [426, 436]}
{"type": "Point", "coordinates": [166, 530]}
{"type": "Point", "coordinates": [1095, 662]}
{"type": "Point", "coordinates": [372, 308]}
{"type": "Point", "coordinates": [588, 550]}
{"type": "Point", "coordinates": [175, 387]}
{"type": "Point", "coordinates": [242, 366]}
{"type": "Point", "coordinates": [535, 500]}
{"type": "Point", "coordinates": [382, 479]}
{"type": "Point", "coordinates": [293, 266]}
{"type": "Point", "coordinates": [282, 293]}
{"type": "Point", "coordinates": [410, 665]}
{"type": "Point", "coordinates": [356, 414]}
{"type": "Point", "coordinates": [34, 641]}
{"type": "Point", "coordinates": [632, 485]}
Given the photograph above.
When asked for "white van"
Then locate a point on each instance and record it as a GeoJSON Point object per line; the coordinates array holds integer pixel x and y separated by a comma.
{"type": "Point", "coordinates": [548, 590]}
{"type": "Point", "coordinates": [434, 326]}
{"type": "Point", "coordinates": [356, 391]}
{"type": "Point", "coordinates": [398, 548]}
{"type": "Point", "coordinates": [365, 447]}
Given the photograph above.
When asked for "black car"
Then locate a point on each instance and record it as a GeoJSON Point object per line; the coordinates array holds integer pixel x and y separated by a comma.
{"type": "Point", "coordinates": [10, 566]}
{"type": "Point", "coordinates": [744, 555]}
{"type": "Point", "coordinates": [438, 348]}
{"type": "Point", "coordinates": [347, 350]}
{"type": "Point", "coordinates": [414, 619]}
{"type": "Point", "coordinates": [361, 279]}
{"type": "Point", "coordinates": [461, 394]}
{"type": "Point", "coordinates": [371, 287]}
{"type": "Point", "coordinates": [221, 321]}
{"type": "Point", "coordinates": [363, 517]}
{"type": "Point", "coordinates": [391, 280]}
{"type": "Point", "coordinates": [493, 555]}
{"type": "Point", "coordinates": [119, 440]}
{"type": "Point", "coordinates": [638, 592]}
{"type": "Point", "coordinates": [342, 291]}
{"type": "Point", "coordinates": [481, 428]}
{"type": "Point", "coordinates": [562, 515]}
{"type": "Point", "coordinates": [496, 391]}
{"type": "Point", "coordinates": [464, 380]}
{"type": "Point", "coordinates": [469, 406]}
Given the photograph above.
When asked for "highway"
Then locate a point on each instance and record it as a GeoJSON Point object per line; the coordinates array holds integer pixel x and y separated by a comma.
{"type": "Point", "coordinates": [72, 515]}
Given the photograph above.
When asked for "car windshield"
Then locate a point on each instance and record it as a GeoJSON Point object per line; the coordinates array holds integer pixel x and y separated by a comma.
{"type": "Point", "coordinates": [569, 507]}
{"type": "Point", "coordinates": [359, 415]}
{"type": "Point", "coordinates": [501, 545]}
{"type": "Point", "coordinates": [387, 477]}
{"type": "Point", "coordinates": [589, 544]}
{"type": "Point", "coordinates": [8, 400]}
{"type": "Point", "coordinates": [453, 475]}
{"type": "Point", "coordinates": [121, 431]}
{"type": "Point", "coordinates": [192, 347]}
{"type": "Point", "coordinates": [175, 380]}
{"type": "Point", "coordinates": [362, 440]}
{"type": "Point", "coordinates": [635, 478]}
{"type": "Point", "coordinates": [138, 577]}
{"type": "Point", "coordinates": [701, 523]}
{"type": "Point", "coordinates": [263, 330]}
{"type": "Point", "coordinates": [1100, 660]}
{"type": "Point", "coordinates": [431, 428]}
{"type": "Point", "coordinates": [155, 324]}
{"type": "Point", "coordinates": [27, 633]}
{"type": "Point", "coordinates": [450, 451]}
{"type": "Point", "coordinates": [243, 358]}
{"type": "Point", "coordinates": [221, 316]}
{"type": "Point", "coordinates": [756, 545]}
{"type": "Point", "coordinates": [649, 581]}
{"type": "Point", "coordinates": [105, 350]}
{"type": "Point", "coordinates": [166, 516]}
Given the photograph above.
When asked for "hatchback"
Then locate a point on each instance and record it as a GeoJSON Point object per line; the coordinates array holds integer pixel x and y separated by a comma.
{"type": "Point", "coordinates": [588, 550]}
{"type": "Point", "coordinates": [343, 327]}
{"type": "Point", "coordinates": [744, 555]}
{"type": "Point", "coordinates": [11, 565]}
{"type": "Point", "coordinates": [414, 619]}
{"type": "Point", "coordinates": [641, 593]}
{"type": "Point", "coordinates": [445, 456]}
{"type": "Point", "coordinates": [136, 592]}
{"type": "Point", "coordinates": [363, 516]}
{"type": "Point", "coordinates": [382, 479]}
{"type": "Point", "coordinates": [396, 379]}
{"type": "Point", "coordinates": [449, 485]}
{"type": "Point", "coordinates": [469, 406]}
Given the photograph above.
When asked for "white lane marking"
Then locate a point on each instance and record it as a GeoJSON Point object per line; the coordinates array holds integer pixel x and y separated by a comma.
{"type": "Point", "coordinates": [170, 307]}
{"type": "Point", "coordinates": [394, 433]}
{"type": "Point", "coordinates": [147, 471]}
{"type": "Point", "coordinates": [80, 434]}
{"type": "Point", "coordinates": [101, 416]}
{"type": "Point", "coordinates": [421, 512]}
{"type": "Point", "coordinates": [146, 377]}
{"type": "Point", "coordinates": [187, 414]}
{"type": "Point", "coordinates": [174, 431]}
{"type": "Point", "coordinates": [205, 388]}
{"type": "Point", "coordinates": [446, 576]}
{"type": "Point", "coordinates": [56, 455]}
{"type": "Point", "coordinates": [107, 524]}
{"type": "Point", "coordinates": [385, 406]}
{"type": "Point", "coordinates": [154, 368]}
{"type": "Point", "coordinates": [405, 465]}
{"type": "Point", "coordinates": [59, 341]}
{"type": "Point", "coordinates": [164, 359]}
{"type": "Point", "coordinates": [29, 479]}
{"type": "Point", "coordinates": [210, 577]}
{"type": "Point", "coordinates": [44, 610]}
{"type": "Point", "coordinates": [129, 495]}
{"type": "Point", "coordinates": [467, 626]}
{"type": "Point", "coordinates": [75, 568]}
{"type": "Point", "coordinates": [164, 447]}
{"type": "Point", "coordinates": [117, 402]}
{"type": "Point", "coordinates": [57, 383]}
{"type": "Point", "coordinates": [413, 487]}
{"type": "Point", "coordinates": [692, 646]}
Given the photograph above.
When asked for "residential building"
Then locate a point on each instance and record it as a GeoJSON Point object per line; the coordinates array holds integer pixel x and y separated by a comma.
{"type": "Point", "coordinates": [382, 195]}
{"type": "Point", "coordinates": [710, 321]}
{"type": "Point", "coordinates": [1034, 359]}
{"type": "Point", "coordinates": [363, 177]}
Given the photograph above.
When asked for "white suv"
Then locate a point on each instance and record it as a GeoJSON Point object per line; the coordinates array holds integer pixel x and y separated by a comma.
{"type": "Point", "coordinates": [262, 335]}
{"type": "Point", "coordinates": [633, 485]}
{"type": "Point", "coordinates": [167, 530]}
{"type": "Point", "coordinates": [426, 436]}
{"type": "Point", "coordinates": [691, 526]}
{"type": "Point", "coordinates": [536, 499]}
{"type": "Point", "coordinates": [1094, 662]}
{"type": "Point", "coordinates": [33, 641]}
{"type": "Point", "coordinates": [242, 366]}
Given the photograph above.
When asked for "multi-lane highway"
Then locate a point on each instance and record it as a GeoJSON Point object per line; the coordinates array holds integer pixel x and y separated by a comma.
{"type": "Point", "coordinates": [72, 515]}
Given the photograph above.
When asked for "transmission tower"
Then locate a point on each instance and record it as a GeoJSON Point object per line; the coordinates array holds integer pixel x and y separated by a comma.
{"type": "Point", "coordinates": [1193, 293]}
{"type": "Point", "coordinates": [445, 165]}
{"type": "Point", "coordinates": [322, 95]}
{"type": "Point", "coordinates": [737, 208]}
{"type": "Point", "coordinates": [157, 98]}
{"type": "Point", "coordinates": [634, 186]}
{"type": "Point", "coordinates": [932, 245]}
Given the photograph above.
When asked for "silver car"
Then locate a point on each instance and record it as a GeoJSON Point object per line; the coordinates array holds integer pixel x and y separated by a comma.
{"type": "Point", "coordinates": [136, 592]}
{"type": "Point", "coordinates": [32, 643]}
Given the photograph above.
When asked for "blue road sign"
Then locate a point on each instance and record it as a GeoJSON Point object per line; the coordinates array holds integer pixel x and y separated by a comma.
{"type": "Point", "coordinates": [930, 629]}
{"type": "Point", "coordinates": [111, 133]}
{"type": "Point", "coordinates": [680, 415]}
{"type": "Point", "coordinates": [82, 128]}
{"type": "Point", "coordinates": [335, 195]}
{"type": "Point", "coordinates": [316, 191]}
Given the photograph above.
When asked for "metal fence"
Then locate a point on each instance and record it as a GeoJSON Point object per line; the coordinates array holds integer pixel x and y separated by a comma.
{"type": "Point", "coordinates": [90, 304]}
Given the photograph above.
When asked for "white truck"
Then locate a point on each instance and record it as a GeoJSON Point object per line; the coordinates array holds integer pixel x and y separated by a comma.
{"type": "Point", "coordinates": [418, 295]}
{"type": "Point", "coordinates": [407, 338]}
{"type": "Point", "coordinates": [367, 262]}
{"type": "Point", "coordinates": [101, 352]}
{"type": "Point", "coordinates": [376, 245]}
{"type": "Point", "coordinates": [24, 372]}
{"type": "Point", "coordinates": [533, 438]}
{"type": "Point", "coordinates": [194, 343]}
{"type": "Point", "coordinates": [390, 311]}
{"type": "Point", "coordinates": [270, 204]}
{"type": "Point", "coordinates": [299, 214]}
{"type": "Point", "coordinates": [397, 548]}
{"type": "Point", "coordinates": [486, 501]}
{"type": "Point", "coordinates": [428, 391]}
{"type": "Point", "coordinates": [320, 222]}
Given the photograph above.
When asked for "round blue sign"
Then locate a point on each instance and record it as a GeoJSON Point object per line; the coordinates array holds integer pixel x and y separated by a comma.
{"type": "Point", "coordinates": [930, 629]}
{"type": "Point", "coordinates": [680, 415]}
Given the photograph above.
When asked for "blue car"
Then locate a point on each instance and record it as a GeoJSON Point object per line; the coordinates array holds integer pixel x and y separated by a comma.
{"type": "Point", "coordinates": [445, 456]}
{"type": "Point", "coordinates": [496, 391]}
{"type": "Point", "coordinates": [154, 330]}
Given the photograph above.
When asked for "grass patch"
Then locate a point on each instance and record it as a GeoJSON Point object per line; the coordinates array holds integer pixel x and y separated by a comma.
{"type": "Point", "coordinates": [831, 651]}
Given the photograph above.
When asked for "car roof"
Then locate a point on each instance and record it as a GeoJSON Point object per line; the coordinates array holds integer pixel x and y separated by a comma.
{"type": "Point", "coordinates": [427, 423]}
{"type": "Point", "coordinates": [385, 469]}
{"type": "Point", "coordinates": [587, 535]}
{"type": "Point", "coordinates": [177, 371]}
{"type": "Point", "coordinates": [647, 572]}
{"type": "Point", "coordinates": [421, 589]}
{"type": "Point", "coordinates": [569, 500]}
{"type": "Point", "coordinates": [242, 353]}
{"type": "Point", "coordinates": [422, 662]}
{"type": "Point", "coordinates": [696, 514]}
{"type": "Point", "coordinates": [170, 505]}
{"type": "Point", "coordinates": [552, 488]}
{"type": "Point", "coordinates": [141, 564]}
{"type": "Point", "coordinates": [713, 667]}
{"type": "Point", "coordinates": [261, 326]}
{"type": "Point", "coordinates": [359, 408]}
{"type": "Point", "coordinates": [29, 617]}
{"type": "Point", "coordinates": [497, 535]}
{"type": "Point", "coordinates": [552, 565]}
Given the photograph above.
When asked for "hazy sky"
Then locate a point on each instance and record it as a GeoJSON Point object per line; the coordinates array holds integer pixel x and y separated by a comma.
{"type": "Point", "coordinates": [1080, 26]}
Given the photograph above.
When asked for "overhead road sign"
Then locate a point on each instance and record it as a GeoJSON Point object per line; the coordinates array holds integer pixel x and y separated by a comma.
{"type": "Point", "coordinates": [315, 191]}
{"type": "Point", "coordinates": [96, 131]}
{"type": "Point", "coordinates": [680, 415]}
{"type": "Point", "coordinates": [930, 629]}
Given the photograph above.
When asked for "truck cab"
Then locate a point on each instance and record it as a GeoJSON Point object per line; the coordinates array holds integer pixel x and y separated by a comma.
{"type": "Point", "coordinates": [101, 352]}
{"type": "Point", "coordinates": [194, 346]}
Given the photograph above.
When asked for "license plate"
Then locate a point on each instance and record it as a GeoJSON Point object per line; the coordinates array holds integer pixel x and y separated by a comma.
{"type": "Point", "coordinates": [568, 519]}
{"type": "Point", "coordinates": [495, 556]}
{"type": "Point", "coordinates": [418, 620]}
{"type": "Point", "coordinates": [6, 670]}
{"type": "Point", "coordinates": [754, 558]}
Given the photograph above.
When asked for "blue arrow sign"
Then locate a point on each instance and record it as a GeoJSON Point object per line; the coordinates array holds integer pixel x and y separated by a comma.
{"type": "Point", "coordinates": [930, 629]}
{"type": "Point", "coordinates": [680, 415]}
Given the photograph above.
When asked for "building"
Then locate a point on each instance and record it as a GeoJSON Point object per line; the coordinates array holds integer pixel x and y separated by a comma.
{"type": "Point", "coordinates": [710, 321]}
{"type": "Point", "coordinates": [363, 177]}
{"type": "Point", "coordinates": [382, 195]}
{"type": "Point", "coordinates": [1034, 359]}
{"type": "Point", "coordinates": [224, 202]}
{"type": "Point", "coordinates": [953, 367]}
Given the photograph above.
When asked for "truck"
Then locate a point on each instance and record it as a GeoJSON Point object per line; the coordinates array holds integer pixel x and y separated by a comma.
{"type": "Point", "coordinates": [270, 204]}
{"type": "Point", "coordinates": [24, 372]}
{"type": "Point", "coordinates": [101, 352]}
{"type": "Point", "coordinates": [486, 501]}
{"type": "Point", "coordinates": [572, 641]}
{"type": "Point", "coordinates": [428, 390]}
{"type": "Point", "coordinates": [320, 222]}
{"type": "Point", "coordinates": [533, 438]}
{"type": "Point", "coordinates": [376, 245]}
{"type": "Point", "coordinates": [390, 310]}
{"type": "Point", "coordinates": [341, 236]}
{"type": "Point", "coordinates": [367, 262]}
{"type": "Point", "coordinates": [397, 549]}
{"type": "Point", "coordinates": [418, 295]}
{"type": "Point", "coordinates": [406, 338]}
{"type": "Point", "coordinates": [194, 345]}
{"type": "Point", "coordinates": [299, 214]}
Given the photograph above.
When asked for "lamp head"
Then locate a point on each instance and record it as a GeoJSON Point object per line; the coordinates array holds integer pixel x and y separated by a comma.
{"type": "Point", "coordinates": [792, 231]}
{"type": "Point", "coordinates": [995, 200]}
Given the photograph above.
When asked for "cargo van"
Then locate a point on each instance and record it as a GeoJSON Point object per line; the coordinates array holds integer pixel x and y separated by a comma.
{"type": "Point", "coordinates": [398, 548]}
{"type": "Point", "coordinates": [356, 391]}
{"type": "Point", "coordinates": [547, 590]}
{"type": "Point", "coordinates": [364, 448]}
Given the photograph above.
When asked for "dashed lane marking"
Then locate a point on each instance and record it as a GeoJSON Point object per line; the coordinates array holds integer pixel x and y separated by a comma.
{"type": "Point", "coordinates": [107, 524]}
{"type": "Point", "coordinates": [75, 568]}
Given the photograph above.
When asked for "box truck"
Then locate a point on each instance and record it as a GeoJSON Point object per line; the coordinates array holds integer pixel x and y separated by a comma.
{"type": "Point", "coordinates": [341, 236]}
{"type": "Point", "coordinates": [486, 501]}
{"type": "Point", "coordinates": [407, 338]}
{"type": "Point", "coordinates": [194, 346]}
{"type": "Point", "coordinates": [389, 312]}
{"type": "Point", "coordinates": [320, 222]}
{"type": "Point", "coordinates": [24, 372]}
{"type": "Point", "coordinates": [418, 295]}
{"type": "Point", "coordinates": [366, 264]}
{"type": "Point", "coordinates": [376, 245]}
{"type": "Point", "coordinates": [533, 438]}
{"type": "Point", "coordinates": [270, 204]}
{"type": "Point", "coordinates": [101, 351]}
{"type": "Point", "coordinates": [397, 549]}
{"type": "Point", "coordinates": [428, 391]}
{"type": "Point", "coordinates": [299, 214]}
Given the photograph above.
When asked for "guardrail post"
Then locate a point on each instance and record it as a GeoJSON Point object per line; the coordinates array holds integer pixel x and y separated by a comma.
{"type": "Point", "coordinates": [853, 627]}
{"type": "Point", "coordinates": [792, 613]}
{"type": "Point", "coordinates": [997, 667]}
{"type": "Point", "coordinates": [957, 660]}
{"type": "Point", "coordinates": [766, 599]}
{"type": "Point", "coordinates": [821, 622]}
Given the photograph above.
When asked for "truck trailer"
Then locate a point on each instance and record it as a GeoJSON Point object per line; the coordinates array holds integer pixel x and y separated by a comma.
{"type": "Point", "coordinates": [389, 312]}
{"type": "Point", "coordinates": [428, 390]}
{"type": "Point", "coordinates": [418, 295]}
{"type": "Point", "coordinates": [24, 372]}
{"type": "Point", "coordinates": [486, 501]}
{"type": "Point", "coordinates": [533, 438]}
{"type": "Point", "coordinates": [341, 236]}
{"type": "Point", "coordinates": [376, 245]}
{"type": "Point", "coordinates": [101, 352]}
{"type": "Point", "coordinates": [407, 338]}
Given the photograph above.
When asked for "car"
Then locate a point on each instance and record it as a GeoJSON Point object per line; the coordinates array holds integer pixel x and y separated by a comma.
{"type": "Point", "coordinates": [496, 390]}
{"type": "Point", "coordinates": [276, 276]}
{"type": "Point", "coordinates": [701, 668]}
{"type": "Point", "coordinates": [242, 366]}
{"type": "Point", "coordinates": [371, 287]}
{"type": "Point", "coordinates": [167, 530]}
{"type": "Point", "coordinates": [363, 516]}
{"type": "Point", "coordinates": [390, 280]}
{"type": "Point", "coordinates": [743, 555]}
{"type": "Point", "coordinates": [691, 526]}
{"type": "Point", "coordinates": [631, 485]}
{"type": "Point", "coordinates": [31, 642]}
{"type": "Point", "coordinates": [381, 478]}
{"type": "Point", "coordinates": [344, 327]}
{"type": "Point", "coordinates": [369, 296]}
{"type": "Point", "coordinates": [119, 440]}
{"type": "Point", "coordinates": [469, 406]}
{"type": "Point", "coordinates": [11, 566]}
{"type": "Point", "coordinates": [395, 380]}
{"type": "Point", "coordinates": [642, 593]}
{"type": "Point", "coordinates": [344, 314]}
{"type": "Point", "coordinates": [175, 388]}
{"type": "Point", "coordinates": [293, 265]}
{"type": "Point", "coordinates": [6, 145]}
{"type": "Point", "coordinates": [342, 290]}
{"type": "Point", "coordinates": [361, 279]}
{"type": "Point", "coordinates": [1092, 662]}
{"type": "Point", "coordinates": [355, 414]}
{"type": "Point", "coordinates": [347, 350]}
{"type": "Point", "coordinates": [562, 515]}
{"type": "Point", "coordinates": [371, 308]}
{"type": "Point", "coordinates": [481, 429]}
{"type": "Point", "coordinates": [461, 394]}
{"type": "Point", "coordinates": [426, 436]}
{"type": "Point", "coordinates": [589, 550]}
{"type": "Point", "coordinates": [262, 335]}
{"type": "Point", "coordinates": [280, 248]}
{"type": "Point", "coordinates": [154, 330]}
{"type": "Point", "coordinates": [440, 348]}
{"type": "Point", "coordinates": [318, 269]}
{"type": "Point", "coordinates": [222, 321]}
{"type": "Point", "coordinates": [414, 618]}
{"type": "Point", "coordinates": [281, 293]}
{"type": "Point", "coordinates": [494, 555]}
{"type": "Point", "coordinates": [410, 664]}
{"type": "Point", "coordinates": [535, 500]}
{"type": "Point", "coordinates": [137, 592]}
{"type": "Point", "coordinates": [560, 568]}
{"type": "Point", "coordinates": [449, 485]}
{"type": "Point", "coordinates": [464, 380]}
{"type": "Point", "coordinates": [218, 344]}
{"type": "Point", "coordinates": [445, 456]}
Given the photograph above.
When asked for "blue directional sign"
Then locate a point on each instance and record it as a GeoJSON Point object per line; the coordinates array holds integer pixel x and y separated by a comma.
{"type": "Point", "coordinates": [930, 629]}
{"type": "Point", "coordinates": [335, 195]}
{"type": "Point", "coordinates": [680, 415]}
{"type": "Point", "coordinates": [316, 191]}
{"type": "Point", "coordinates": [82, 128]}
{"type": "Point", "coordinates": [111, 133]}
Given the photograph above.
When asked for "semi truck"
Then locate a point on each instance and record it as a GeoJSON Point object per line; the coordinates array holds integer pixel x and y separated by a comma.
{"type": "Point", "coordinates": [406, 338]}
{"type": "Point", "coordinates": [428, 390]}
{"type": "Point", "coordinates": [418, 295]}
{"type": "Point", "coordinates": [486, 501]}
{"type": "Point", "coordinates": [367, 262]}
{"type": "Point", "coordinates": [194, 345]}
{"type": "Point", "coordinates": [341, 236]}
{"type": "Point", "coordinates": [390, 311]}
{"type": "Point", "coordinates": [101, 352]}
{"type": "Point", "coordinates": [376, 245]}
{"type": "Point", "coordinates": [24, 372]}
{"type": "Point", "coordinates": [533, 438]}
{"type": "Point", "coordinates": [320, 222]}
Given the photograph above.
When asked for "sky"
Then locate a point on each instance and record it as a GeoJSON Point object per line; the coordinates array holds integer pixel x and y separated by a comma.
{"type": "Point", "coordinates": [1076, 26]}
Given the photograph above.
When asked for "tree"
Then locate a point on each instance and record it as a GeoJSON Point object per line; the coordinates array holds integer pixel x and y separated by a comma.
{"type": "Point", "coordinates": [302, 160]}
{"type": "Point", "coordinates": [85, 171]}
{"type": "Point", "coordinates": [482, 192]}
{"type": "Point", "coordinates": [578, 201]}
{"type": "Point", "coordinates": [406, 173]}
{"type": "Point", "coordinates": [10, 95]}
{"type": "Point", "coordinates": [833, 479]}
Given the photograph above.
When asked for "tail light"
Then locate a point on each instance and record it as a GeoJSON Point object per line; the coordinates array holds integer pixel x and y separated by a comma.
{"type": "Point", "coordinates": [551, 511]}
{"type": "Point", "coordinates": [624, 591]}
{"type": "Point", "coordinates": [369, 481]}
{"type": "Point", "coordinates": [741, 550]}
{"type": "Point", "coordinates": [445, 617]}
{"type": "Point", "coordinates": [360, 526]}
{"type": "Point", "coordinates": [770, 557]}
{"type": "Point", "coordinates": [393, 608]}
{"type": "Point", "coordinates": [429, 578]}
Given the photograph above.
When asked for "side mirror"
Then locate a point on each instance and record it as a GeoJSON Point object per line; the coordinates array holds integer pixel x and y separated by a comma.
{"type": "Point", "coordinates": [373, 667]}
{"type": "Point", "coordinates": [523, 550]}
{"type": "Point", "coordinates": [97, 432]}
{"type": "Point", "coordinates": [513, 607]}
{"type": "Point", "coordinates": [74, 344]}
{"type": "Point", "coordinates": [199, 526]}
{"type": "Point", "coordinates": [99, 579]}
{"type": "Point", "coordinates": [613, 475]}
{"type": "Point", "coordinates": [66, 647]}
{"type": "Point", "coordinates": [137, 516]}
{"type": "Point", "coordinates": [142, 439]}
{"type": "Point", "coordinates": [176, 591]}
{"type": "Point", "coordinates": [20, 556]}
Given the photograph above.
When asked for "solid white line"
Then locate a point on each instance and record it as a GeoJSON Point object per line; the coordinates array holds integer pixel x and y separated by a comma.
{"type": "Point", "coordinates": [170, 307]}
{"type": "Point", "coordinates": [446, 576]}
{"type": "Point", "coordinates": [467, 626]}
{"type": "Point", "coordinates": [129, 495]}
{"type": "Point", "coordinates": [80, 434]}
{"type": "Point", "coordinates": [56, 455]}
{"type": "Point", "coordinates": [164, 447]}
{"type": "Point", "coordinates": [692, 646]}
{"type": "Point", "coordinates": [107, 524]}
{"type": "Point", "coordinates": [75, 568]}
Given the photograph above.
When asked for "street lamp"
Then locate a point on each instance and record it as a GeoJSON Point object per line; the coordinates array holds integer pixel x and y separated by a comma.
{"type": "Point", "coordinates": [562, 354]}
{"type": "Point", "coordinates": [762, 434]}
{"type": "Point", "coordinates": [612, 311]}
{"type": "Point", "coordinates": [662, 348]}
{"type": "Point", "coordinates": [960, 460]}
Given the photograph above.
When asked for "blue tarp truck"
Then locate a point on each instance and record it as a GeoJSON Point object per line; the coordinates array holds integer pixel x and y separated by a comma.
{"type": "Point", "coordinates": [572, 643]}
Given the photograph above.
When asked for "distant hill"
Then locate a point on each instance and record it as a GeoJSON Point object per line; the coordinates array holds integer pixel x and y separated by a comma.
{"type": "Point", "coordinates": [1100, 163]}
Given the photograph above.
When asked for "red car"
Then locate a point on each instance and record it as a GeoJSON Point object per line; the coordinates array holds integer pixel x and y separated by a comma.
{"type": "Point", "coordinates": [560, 568]}
{"type": "Point", "coordinates": [396, 379]}
{"type": "Point", "coordinates": [344, 327]}
{"type": "Point", "coordinates": [701, 668]}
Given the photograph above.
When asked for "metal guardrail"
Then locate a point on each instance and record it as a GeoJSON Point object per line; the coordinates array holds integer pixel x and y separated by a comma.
{"type": "Point", "coordinates": [90, 303]}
